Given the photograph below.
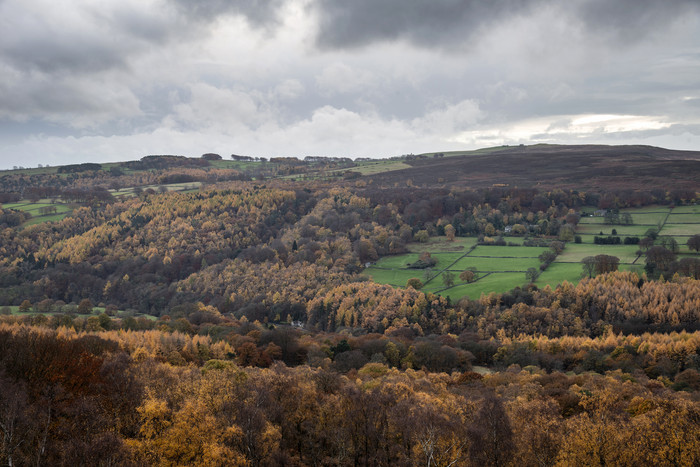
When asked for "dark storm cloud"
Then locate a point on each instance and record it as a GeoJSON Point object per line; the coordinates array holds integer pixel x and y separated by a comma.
{"type": "Point", "coordinates": [442, 23]}
{"type": "Point", "coordinates": [422, 22]}
{"type": "Point", "coordinates": [87, 39]}
{"type": "Point", "coordinates": [49, 54]}
{"type": "Point", "coordinates": [80, 39]}
{"type": "Point", "coordinates": [629, 20]}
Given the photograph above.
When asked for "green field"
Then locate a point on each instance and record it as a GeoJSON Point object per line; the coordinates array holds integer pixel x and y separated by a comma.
{"type": "Point", "coordinates": [592, 220]}
{"type": "Point", "coordinates": [375, 167]}
{"type": "Point", "coordinates": [441, 245]}
{"type": "Point", "coordinates": [638, 218]}
{"type": "Point", "coordinates": [62, 210]}
{"type": "Point", "coordinates": [181, 187]}
{"type": "Point", "coordinates": [495, 263]}
{"type": "Point", "coordinates": [694, 209]}
{"type": "Point", "coordinates": [623, 230]}
{"type": "Point", "coordinates": [557, 273]}
{"type": "Point", "coordinates": [395, 277]}
{"type": "Point", "coordinates": [498, 282]}
{"type": "Point", "coordinates": [398, 261]}
{"type": "Point", "coordinates": [675, 218]}
{"type": "Point", "coordinates": [446, 259]}
{"type": "Point", "coordinates": [575, 252]}
{"type": "Point", "coordinates": [508, 251]}
{"type": "Point", "coordinates": [647, 209]}
{"type": "Point", "coordinates": [681, 229]}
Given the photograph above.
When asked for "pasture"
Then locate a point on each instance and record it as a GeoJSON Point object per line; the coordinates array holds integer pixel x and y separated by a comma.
{"type": "Point", "coordinates": [42, 211]}
{"type": "Point", "coordinates": [575, 252]}
{"type": "Point", "coordinates": [501, 268]}
{"type": "Point", "coordinates": [181, 187]}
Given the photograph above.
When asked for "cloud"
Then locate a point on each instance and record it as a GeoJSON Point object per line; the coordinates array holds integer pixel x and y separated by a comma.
{"type": "Point", "coordinates": [449, 120]}
{"type": "Point", "coordinates": [259, 13]}
{"type": "Point", "coordinates": [630, 20]}
{"type": "Point", "coordinates": [339, 78]}
{"type": "Point", "coordinates": [73, 101]}
{"type": "Point", "coordinates": [348, 24]}
{"type": "Point", "coordinates": [361, 77]}
{"type": "Point", "coordinates": [289, 89]}
{"type": "Point", "coordinates": [454, 24]}
{"type": "Point", "coordinates": [217, 110]}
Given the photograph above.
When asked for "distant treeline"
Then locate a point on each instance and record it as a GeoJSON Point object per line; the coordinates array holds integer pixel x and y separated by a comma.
{"type": "Point", "coordinates": [75, 168]}
{"type": "Point", "coordinates": [164, 162]}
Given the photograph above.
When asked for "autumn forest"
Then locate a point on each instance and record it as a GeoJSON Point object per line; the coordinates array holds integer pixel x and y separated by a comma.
{"type": "Point", "coordinates": [222, 311]}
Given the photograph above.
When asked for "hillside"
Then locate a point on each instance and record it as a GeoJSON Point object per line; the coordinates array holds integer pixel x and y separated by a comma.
{"type": "Point", "coordinates": [555, 166]}
{"type": "Point", "coordinates": [507, 306]}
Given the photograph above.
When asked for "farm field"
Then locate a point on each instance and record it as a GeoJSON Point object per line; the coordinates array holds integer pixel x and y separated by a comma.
{"type": "Point", "coordinates": [680, 229]}
{"type": "Point", "coordinates": [574, 253]}
{"type": "Point", "coordinates": [188, 186]}
{"type": "Point", "coordinates": [440, 244]}
{"type": "Point", "coordinates": [498, 282]}
{"type": "Point", "coordinates": [508, 251]}
{"type": "Point", "coordinates": [682, 218]}
{"type": "Point", "coordinates": [35, 209]}
{"type": "Point", "coordinates": [624, 230]}
{"type": "Point", "coordinates": [694, 209]}
{"type": "Point", "coordinates": [494, 264]}
{"type": "Point", "coordinates": [501, 268]}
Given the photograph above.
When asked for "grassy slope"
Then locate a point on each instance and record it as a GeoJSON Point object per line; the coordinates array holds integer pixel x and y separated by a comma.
{"type": "Point", "coordinates": [496, 264]}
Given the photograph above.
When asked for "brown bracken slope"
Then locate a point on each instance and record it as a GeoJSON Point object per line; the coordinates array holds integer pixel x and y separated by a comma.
{"type": "Point", "coordinates": [556, 166]}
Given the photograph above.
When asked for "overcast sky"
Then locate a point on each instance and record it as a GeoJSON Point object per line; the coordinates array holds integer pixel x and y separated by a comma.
{"type": "Point", "coordinates": [108, 80]}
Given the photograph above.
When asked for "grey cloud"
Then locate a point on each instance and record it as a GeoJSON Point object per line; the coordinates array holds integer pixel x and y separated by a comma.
{"type": "Point", "coordinates": [76, 40]}
{"type": "Point", "coordinates": [346, 24]}
{"type": "Point", "coordinates": [50, 54]}
{"type": "Point", "coordinates": [88, 39]}
{"type": "Point", "coordinates": [257, 12]}
{"type": "Point", "coordinates": [630, 20]}
{"type": "Point", "coordinates": [445, 23]}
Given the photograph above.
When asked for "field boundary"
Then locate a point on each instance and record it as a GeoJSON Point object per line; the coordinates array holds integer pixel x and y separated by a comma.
{"type": "Point", "coordinates": [472, 248]}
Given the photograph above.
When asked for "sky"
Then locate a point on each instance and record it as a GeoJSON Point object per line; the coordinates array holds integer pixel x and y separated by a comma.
{"type": "Point", "coordinates": [107, 80]}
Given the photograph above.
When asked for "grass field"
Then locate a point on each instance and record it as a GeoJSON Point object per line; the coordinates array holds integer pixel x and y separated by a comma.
{"type": "Point", "coordinates": [62, 210]}
{"type": "Point", "coordinates": [446, 259]}
{"type": "Point", "coordinates": [398, 261]}
{"type": "Point", "coordinates": [681, 229]}
{"type": "Point", "coordinates": [694, 209]}
{"type": "Point", "coordinates": [647, 209]}
{"type": "Point", "coordinates": [181, 187]}
{"type": "Point", "coordinates": [575, 252]}
{"type": "Point", "coordinates": [508, 251]}
{"type": "Point", "coordinates": [684, 218]}
{"type": "Point", "coordinates": [498, 282]}
{"type": "Point", "coordinates": [557, 273]}
{"type": "Point", "coordinates": [477, 152]}
{"type": "Point", "coordinates": [441, 245]}
{"type": "Point", "coordinates": [592, 220]}
{"type": "Point", "coordinates": [495, 263]}
{"type": "Point", "coordinates": [395, 277]}
{"type": "Point", "coordinates": [622, 230]}
{"type": "Point", "coordinates": [638, 218]}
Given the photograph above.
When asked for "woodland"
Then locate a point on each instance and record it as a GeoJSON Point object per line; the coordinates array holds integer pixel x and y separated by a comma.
{"type": "Point", "coordinates": [153, 323]}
